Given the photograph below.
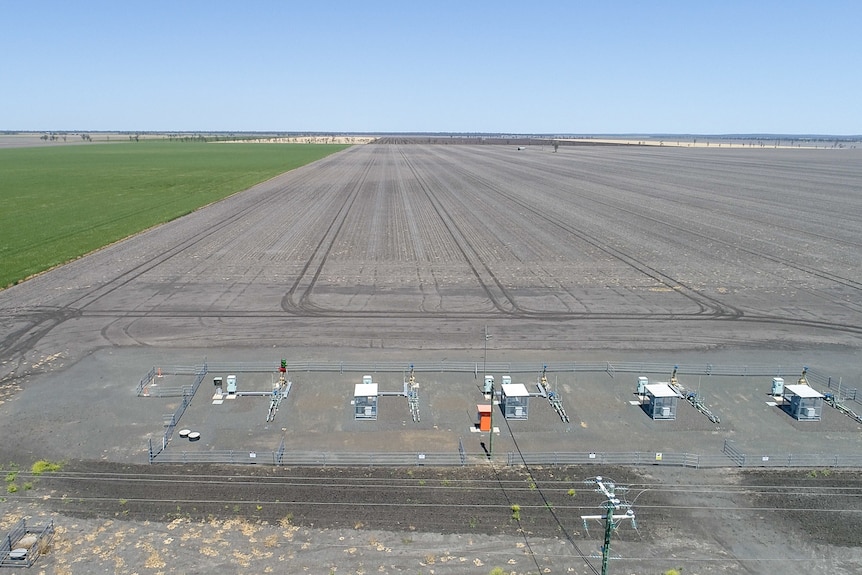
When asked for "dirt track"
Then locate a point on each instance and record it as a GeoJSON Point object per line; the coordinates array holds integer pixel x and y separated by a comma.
{"type": "Point", "coordinates": [588, 252]}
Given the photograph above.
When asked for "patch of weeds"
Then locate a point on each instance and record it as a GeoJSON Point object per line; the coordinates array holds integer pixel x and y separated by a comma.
{"type": "Point", "coordinates": [571, 492]}
{"type": "Point", "coordinates": [516, 512]}
{"type": "Point", "coordinates": [27, 486]}
{"type": "Point", "coordinates": [11, 488]}
{"type": "Point", "coordinates": [532, 485]}
{"type": "Point", "coordinates": [44, 466]}
{"type": "Point", "coordinates": [11, 476]}
{"type": "Point", "coordinates": [446, 483]}
{"type": "Point", "coordinates": [421, 482]}
{"type": "Point", "coordinates": [474, 521]}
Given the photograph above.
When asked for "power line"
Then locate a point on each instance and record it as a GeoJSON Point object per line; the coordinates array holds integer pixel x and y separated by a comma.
{"type": "Point", "coordinates": [550, 508]}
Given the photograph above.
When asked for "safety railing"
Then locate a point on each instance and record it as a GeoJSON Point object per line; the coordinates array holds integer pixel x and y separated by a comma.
{"type": "Point", "coordinates": [19, 550]}
{"type": "Point", "coordinates": [730, 457]}
{"type": "Point", "coordinates": [611, 368]}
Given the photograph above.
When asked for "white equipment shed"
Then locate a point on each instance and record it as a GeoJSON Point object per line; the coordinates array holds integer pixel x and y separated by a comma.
{"type": "Point", "coordinates": [661, 401]}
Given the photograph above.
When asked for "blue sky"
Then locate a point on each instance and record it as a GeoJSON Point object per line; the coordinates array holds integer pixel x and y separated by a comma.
{"type": "Point", "coordinates": [533, 66]}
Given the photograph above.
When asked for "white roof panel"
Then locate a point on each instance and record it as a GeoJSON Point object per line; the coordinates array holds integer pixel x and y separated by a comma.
{"type": "Point", "coordinates": [660, 390]}
{"type": "Point", "coordinates": [515, 390]}
{"type": "Point", "coordinates": [367, 389]}
{"type": "Point", "coordinates": [803, 391]}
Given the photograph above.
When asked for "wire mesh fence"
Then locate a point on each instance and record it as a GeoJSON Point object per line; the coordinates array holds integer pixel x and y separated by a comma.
{"type": "Point", "coordinates": [611, 368]}
{"type": "Point", "coordinates": [24, 543]}
{"type": "Point", "coordinates": [730, 456]}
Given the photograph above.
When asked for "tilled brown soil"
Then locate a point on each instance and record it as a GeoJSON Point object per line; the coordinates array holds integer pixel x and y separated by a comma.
{"type": "Point", "coordinates": [425, 248]}
{"type": "Point", "coordinates": [229, 519]}
{"type": "Point", "coordinates": [441, 500]}
{"type": "Point", "coordinates": [824, 506]}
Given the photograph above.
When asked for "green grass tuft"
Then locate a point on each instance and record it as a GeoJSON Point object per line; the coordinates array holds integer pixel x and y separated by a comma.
{"type": "Point", "coordinates": [43, 466]}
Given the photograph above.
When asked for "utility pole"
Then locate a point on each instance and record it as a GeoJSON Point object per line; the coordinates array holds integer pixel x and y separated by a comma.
{"type": "Point", "coordinates": [484, 373]}
{"type": "Point", "coordinates": [485, 357]}
{"type": "Point", "coordinates": [607, 488]}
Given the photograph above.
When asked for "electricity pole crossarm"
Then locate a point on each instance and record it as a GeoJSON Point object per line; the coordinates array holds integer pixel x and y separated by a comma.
{"type": "Point", "coordinates": [627, 515]}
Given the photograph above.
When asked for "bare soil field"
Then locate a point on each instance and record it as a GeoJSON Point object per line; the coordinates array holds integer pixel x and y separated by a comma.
{"type": "Point", "coordinates": [395, 252]}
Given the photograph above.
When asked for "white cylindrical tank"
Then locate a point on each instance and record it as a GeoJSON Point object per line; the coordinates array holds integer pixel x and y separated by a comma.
{"type": "Point", "coordinates": [642, 383]}
{"type": "Point", "coordinates": [777, 385]}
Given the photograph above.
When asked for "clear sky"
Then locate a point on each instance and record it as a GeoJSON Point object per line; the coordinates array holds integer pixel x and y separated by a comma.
{"type": "Point", "coordinates": [529, 66]}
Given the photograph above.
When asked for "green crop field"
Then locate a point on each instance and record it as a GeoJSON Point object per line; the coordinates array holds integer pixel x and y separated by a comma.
{"type": "Point", "coordinates": [61, 202]}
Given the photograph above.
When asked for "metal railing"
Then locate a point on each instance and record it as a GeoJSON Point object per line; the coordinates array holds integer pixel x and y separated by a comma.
{"type": "Point", "coordinates": [149, 386]}
{"type": "Point", "coordinates": [730, 457]}
{"type": "Point", "coordinates": [316, 458]}
{"type": "Point", "coordinates": [43, 534]}
{"type": "Point", "coordinates": [842, 391]}
{"type": "Point", "coordinates": [806, 460]}
{"type": "Point", "coordinates": [172, 420]}
{"type": "Point", "coordinates": [632, 458]}
{"type": "Point", "coordinates": [611, 368]}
